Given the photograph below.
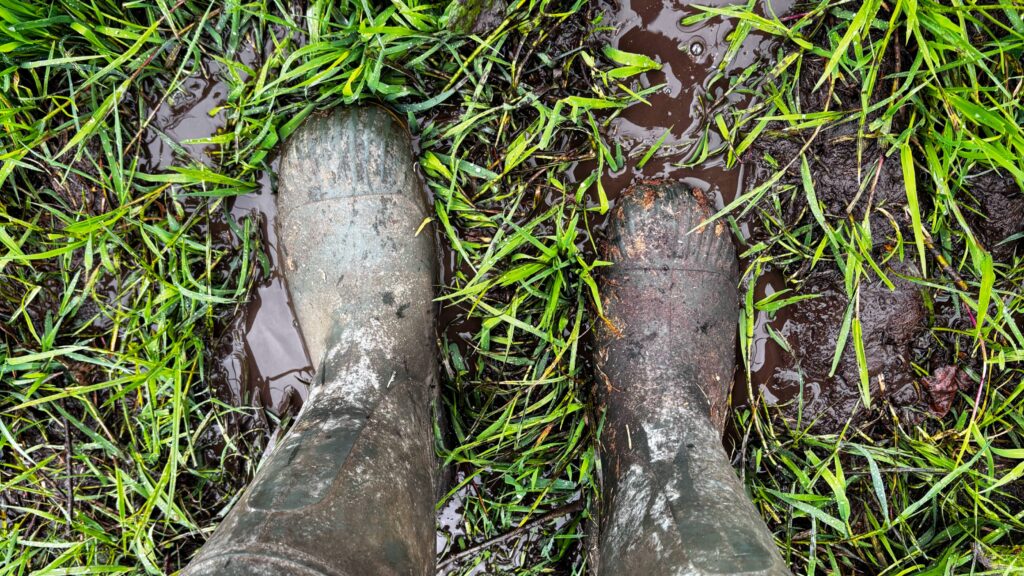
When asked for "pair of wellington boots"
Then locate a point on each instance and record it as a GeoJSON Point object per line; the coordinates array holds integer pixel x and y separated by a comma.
{"type": "Point", "coordinates": [351, 488]}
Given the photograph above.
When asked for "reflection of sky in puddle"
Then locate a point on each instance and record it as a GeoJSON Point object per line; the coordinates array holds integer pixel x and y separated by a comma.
{"type": "Point", "coordinates": [276, 351]}
{"type": "Point", "coordinates": [186, 115]}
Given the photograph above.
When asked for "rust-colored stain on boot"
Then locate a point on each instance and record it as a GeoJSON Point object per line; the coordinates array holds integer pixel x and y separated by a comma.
{"type": "Point", "coordinates": [672, 502]}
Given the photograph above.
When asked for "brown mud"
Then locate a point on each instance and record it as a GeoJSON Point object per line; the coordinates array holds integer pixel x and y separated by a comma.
{"type": "Point", "coordinates": [999, 217]}
{"type": "Point", "coordinates": [794, 366]}
{"type": "Point", "coordinates": [893, 335]}
{"type": "Point", "coordinates": [911, 348]}
{"type": "Point", "coordinates": [695, 86]}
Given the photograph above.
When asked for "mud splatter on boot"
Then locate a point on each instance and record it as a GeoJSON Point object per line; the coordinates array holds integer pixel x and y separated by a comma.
{"type": "Point", "coordinates": [351, 488]}
{"type": "Point", "coordinates": [672, 502]}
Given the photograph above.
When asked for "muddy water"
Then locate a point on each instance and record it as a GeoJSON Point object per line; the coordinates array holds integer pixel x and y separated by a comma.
{"type": "Point", "coordinates": [261, 358]}
{"type": "Point", "coordinates": [275, 361]}
{"type": "Point", "coordinates": [695, 88]}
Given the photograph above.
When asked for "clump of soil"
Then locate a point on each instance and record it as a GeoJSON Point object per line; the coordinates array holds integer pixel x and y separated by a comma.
{"type": "Point", "coordinates": [999, 219]}
{"type": "Point", "coordinates": [853, 175]}
{"type": "Point", "coordinates": [856, 177]}
{"type": "Point", "coordinates": [893, 326]}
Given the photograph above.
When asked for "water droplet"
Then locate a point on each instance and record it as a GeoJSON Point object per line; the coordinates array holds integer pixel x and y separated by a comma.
{"type": "Point", "coordinates": [697, 48]}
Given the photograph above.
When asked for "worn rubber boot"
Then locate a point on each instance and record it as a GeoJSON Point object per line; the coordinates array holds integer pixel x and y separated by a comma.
{"type": "Point", "coordinates": [672, 502]}
{"type": "Point", "coordinates": [350, 490]}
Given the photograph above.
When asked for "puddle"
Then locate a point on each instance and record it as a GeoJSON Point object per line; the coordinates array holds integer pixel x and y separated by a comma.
{"type": "Point", "coordinates": [693, 90]}
{"type": "Point", "coordinates": [261, 359]}
{"type": "Point", "coordinates": [276, 361]}
{"type": "Point", "coordinates": [186, 115]}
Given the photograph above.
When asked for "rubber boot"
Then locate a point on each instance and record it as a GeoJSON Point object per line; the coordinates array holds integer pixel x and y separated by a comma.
{"type": "Point", "coordinates": [350, 490]}
{"type": "Point", "coordinates": [672, 503]}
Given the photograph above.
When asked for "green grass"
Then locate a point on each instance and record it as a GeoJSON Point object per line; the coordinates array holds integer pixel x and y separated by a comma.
{"type": "Point", "coordinates": [114, 445]}
{"type": "Point", "coordinates": [933, 88]}
{"type": "Point", "coordinates": [117, 456]}
{"type": "Point", "coordinates": [114, 449]}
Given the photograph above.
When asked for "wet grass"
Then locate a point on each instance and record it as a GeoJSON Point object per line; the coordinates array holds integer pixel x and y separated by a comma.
{"type": "Point", "coordinates": [935, 90]}
{"type": "Point", "coordinates": [117, 456]}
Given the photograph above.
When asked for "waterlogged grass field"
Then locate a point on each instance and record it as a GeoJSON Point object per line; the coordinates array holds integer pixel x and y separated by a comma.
{"type": "Point", "coordinates": [117, 454]}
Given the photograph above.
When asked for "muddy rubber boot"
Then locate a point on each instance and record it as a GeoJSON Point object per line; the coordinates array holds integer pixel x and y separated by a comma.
{"type": "Point", "coordinates": [672, 503]}
{"type": "Point", "coordinates": [351, 489]}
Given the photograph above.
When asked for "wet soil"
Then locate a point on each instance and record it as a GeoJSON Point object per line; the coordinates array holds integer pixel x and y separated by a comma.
{"type": "Point", "coordinates": [794, 365]}
{"type": "Point", "coordinates": [999, 212]}
{"type": "Point", "coordinates": [911, 354]}
{"type": "Point", "coordinates": [893, 333]}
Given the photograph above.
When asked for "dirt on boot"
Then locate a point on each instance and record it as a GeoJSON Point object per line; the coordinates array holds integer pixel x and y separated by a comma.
{"type": "Point", "coordinates": [665, 363]}
{"type": "Point", "coordinates": [363, 447]}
